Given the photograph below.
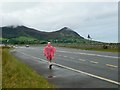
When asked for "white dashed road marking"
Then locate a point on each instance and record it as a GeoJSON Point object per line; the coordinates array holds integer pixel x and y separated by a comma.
{"type": "Point", "coordinates": [94, 62]}
{"type": "Point", "coordinates": [110, 65]}
{"type": "Point", "coordinates": [90, 54]}
{"type": "Point", "coordinates": [65, 56]}
{"type": "Point", "coordinates": [81, 59]}
{"type": "Point", "coordinates": [69, 68]}
{"type": "Point", "coordinates": [71, 57]}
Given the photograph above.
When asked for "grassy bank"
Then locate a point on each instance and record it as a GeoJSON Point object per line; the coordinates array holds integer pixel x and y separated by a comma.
{"type": "Point", "coordinates": [15, 74]}
{"type": "Point", "coordinates": [110, 48]}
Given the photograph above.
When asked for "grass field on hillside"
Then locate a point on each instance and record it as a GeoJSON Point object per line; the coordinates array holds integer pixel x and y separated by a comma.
{"type": "Point", "coordinates": [16, 74]}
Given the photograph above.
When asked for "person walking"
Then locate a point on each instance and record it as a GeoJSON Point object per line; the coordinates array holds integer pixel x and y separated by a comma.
{"type": "Point", "coordinates": [49, 52]}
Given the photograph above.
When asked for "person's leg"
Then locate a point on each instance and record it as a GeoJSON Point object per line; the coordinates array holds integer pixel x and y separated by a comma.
{"type": "Point", "coordinates": [50, 64]}
{"type": "Point", "coordinates": [48, 59]}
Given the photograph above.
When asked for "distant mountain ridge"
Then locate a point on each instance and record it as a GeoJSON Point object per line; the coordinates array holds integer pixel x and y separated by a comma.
{"type": "Point", "coordinates": [18, 31]}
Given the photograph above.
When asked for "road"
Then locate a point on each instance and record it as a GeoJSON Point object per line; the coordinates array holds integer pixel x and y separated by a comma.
{"type": "Point", "coordinates": [74, 68]}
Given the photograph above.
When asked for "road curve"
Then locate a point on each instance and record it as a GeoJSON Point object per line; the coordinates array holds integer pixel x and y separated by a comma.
{"type": "Point", "coordinates": [102, 67]}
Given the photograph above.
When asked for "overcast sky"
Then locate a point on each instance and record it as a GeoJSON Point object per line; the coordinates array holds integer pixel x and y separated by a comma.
{"type": "Point", "coordinates": [99, 19]}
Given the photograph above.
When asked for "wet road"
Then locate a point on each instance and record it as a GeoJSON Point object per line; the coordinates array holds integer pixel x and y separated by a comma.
{"type": "Point", "coordinates": [74, 68]}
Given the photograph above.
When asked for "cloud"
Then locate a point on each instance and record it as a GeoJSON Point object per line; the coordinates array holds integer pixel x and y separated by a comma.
{"type": "Point", "coordinates": [9, 20]}
{"type": "Point", "coordinates": [9, 7]}
{"type": "Point", "coordinates": [60, 1]}
{"type": "Point", "coordinates": [84, 17]}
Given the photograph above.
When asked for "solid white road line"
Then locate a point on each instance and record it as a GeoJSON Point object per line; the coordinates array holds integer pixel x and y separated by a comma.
{"type": "Point", "coordinates": [92, 75]}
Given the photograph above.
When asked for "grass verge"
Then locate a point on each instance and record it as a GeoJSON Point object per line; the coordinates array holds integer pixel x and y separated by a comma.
{"type": "Point", "coordinates": [102, 50]}
{"type": "Point", "coordinates": [0, 68]}
{"type": "Point", "coordinates": [88, 48]}
{"type": "Point", "coordinates": [16, 74]}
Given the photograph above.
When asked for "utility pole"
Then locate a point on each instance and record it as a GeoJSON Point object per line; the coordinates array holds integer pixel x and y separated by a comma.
{"type": "Point", "coordinates": [89, 37]}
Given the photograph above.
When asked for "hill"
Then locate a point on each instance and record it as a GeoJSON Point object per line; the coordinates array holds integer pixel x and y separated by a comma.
{"type": "Point", "coordinates": [23, 33]}
{"type": "Point", "coordinates": [64, 37]}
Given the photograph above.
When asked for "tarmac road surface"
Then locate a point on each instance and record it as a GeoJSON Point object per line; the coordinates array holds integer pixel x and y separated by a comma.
{"type": "Point", "coordinates": [73, 68]}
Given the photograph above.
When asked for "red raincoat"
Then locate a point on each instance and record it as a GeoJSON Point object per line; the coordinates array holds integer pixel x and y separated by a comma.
{"type": "Point", "coordinates": [49, 51]}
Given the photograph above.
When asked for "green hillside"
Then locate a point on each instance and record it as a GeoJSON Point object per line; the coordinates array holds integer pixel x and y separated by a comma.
{"type": "Point", "coordinates": [25, 35]}
{"type": "Point", "coordinates": [22, 35]}
{"type": "Point", "coordinates": [64, 37]}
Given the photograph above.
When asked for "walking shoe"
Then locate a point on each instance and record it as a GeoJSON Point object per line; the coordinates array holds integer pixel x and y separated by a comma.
{"type": "Point", "coordinates": [50, 66]}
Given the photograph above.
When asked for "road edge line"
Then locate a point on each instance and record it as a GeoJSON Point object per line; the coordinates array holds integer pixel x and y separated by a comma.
{"type": "Point", "coordinates": [92, 75]}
